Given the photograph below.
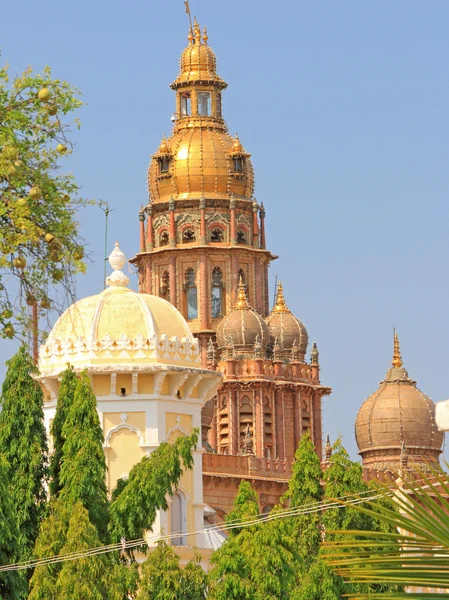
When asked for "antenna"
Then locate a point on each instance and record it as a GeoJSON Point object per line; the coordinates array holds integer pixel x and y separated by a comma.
{"type": "Point", "coordinates": [107, 210]}
{"type": "Point", "coordinates": [186, 3]}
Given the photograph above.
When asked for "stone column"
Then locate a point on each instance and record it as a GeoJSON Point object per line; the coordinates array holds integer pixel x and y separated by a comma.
{"type": "Point", "coordinates": [234, 278]}
{"type": "Point", "coordinates": [172, 231]}
{"type": "Point", "coordinates": [232, 205]}
{"type": "Point", "coordinates": [317, 427]}
{"type": "Point", "coordinates": [297, 417]}
{"type": "Point", "coordinates": [142, 229]}
{"type": "Point", "coordinates": [204, 295]}
{"type": "Point", "coordinates": [150, 233]}
{"type": "Point", "coordinates": [203, 234]}
{"type": "Point", "coordinates": [258, 285]}
{"type": "Point", "coordinates": [258, 418]}
{"type": "Point", "coordinates": [255, 225]}
{"type": "Point", "coordinates": [234, 429]}
{"type": "Point", "coordinates": [280, 422]}
{"type": "Point", "coordinates": [262, 226]}
{"type": "Point", "coordinates": [172, 275]}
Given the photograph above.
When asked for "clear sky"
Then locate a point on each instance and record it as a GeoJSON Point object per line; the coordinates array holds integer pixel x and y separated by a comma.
{"type": "Point", "coordinates": [344, 108]}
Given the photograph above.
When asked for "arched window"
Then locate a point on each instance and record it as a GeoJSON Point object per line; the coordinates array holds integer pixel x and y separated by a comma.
{"type": "Point", "coordinates": [245, 419]}
{"type": "Point", "coordinates": [241, 237]}
{"type": "Point", "coordinates": [178, 518]}
{"type": "Point", "coordinates": [164, 239]}
{"type": "Point", "coordinates": [217, 235]}
{"type": "Point", "coordinates": [165, 285]}
{"type": "Point", "coordinates": [217, 288]}
{"type": "Point", "coordinates": [192, 294]}
{"type": "Point", "coordinates": [188, 236]}
{"type": "Point", "coordinates": [164, 164]}
{"type": "Point", "coordinates": [185, 104]}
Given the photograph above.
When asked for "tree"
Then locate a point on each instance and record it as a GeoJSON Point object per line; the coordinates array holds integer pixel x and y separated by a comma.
{"type": "Point", "coordinates": [83, 464]}
{"type": "Point", "coordinates": [163, 578]}
{"type": "Point", "coordinates": [90, 577]}
{"type": "Point", "coordinates": [66, 396]}
{"type": "Point", "coordinates": [412, 547]}
{"type": "Point", "coordinates": [12, 584]}
{"type": "Point", "coordinates": [23, 442]}
{"type": "Point", "coordinates": [133, 508]}
{"type": "Point", "coordinates": [254, 563]}
{"type": "Point", "coordinates": [40, 246]}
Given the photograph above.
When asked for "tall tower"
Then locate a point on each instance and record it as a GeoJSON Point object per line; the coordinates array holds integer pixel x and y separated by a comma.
{"type": "Point", "coordinates": [202, 228]}
{"type": "Point", "coordinates": [202, 247]}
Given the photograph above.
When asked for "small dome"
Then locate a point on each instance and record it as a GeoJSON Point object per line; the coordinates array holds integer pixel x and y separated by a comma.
{"type": "Point", "coordinates": [119, 327]}
{"type": "Point", "coordinates": [397, 418]}
{"type": "Point", "coordinates": [286, 328]}
{"type": "Point", "coordinates": [243, 325]}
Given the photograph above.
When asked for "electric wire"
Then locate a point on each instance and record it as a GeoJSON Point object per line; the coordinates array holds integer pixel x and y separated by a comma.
{"type": "Point", "coordinates": [256, 520]}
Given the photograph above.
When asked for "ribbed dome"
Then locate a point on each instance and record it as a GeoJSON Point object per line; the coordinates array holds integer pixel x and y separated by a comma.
{"type": "Point", "coordinates": [242, 327]}
{"type": "Point", "coordinates": [119, 327]}
{"type": "Point", "coordinates": [201, 166]}
{"type": "Point", "coordinates": [286, 328]}
{"type": "Point", "coordinates": [397, 418]}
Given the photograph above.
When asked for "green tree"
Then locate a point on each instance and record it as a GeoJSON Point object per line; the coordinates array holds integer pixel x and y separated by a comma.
{"type": "Point", "coordinates": [83, 464]}
{"type": "Point", "coordinates": [163, 578]}
{"type": "Point", "coordinates": [134, 505]}
{"type": "Point", "coordinates": [91, 577]}
{"type": "Point", "coordinates": [12, 584]}
{"type": "Point", "coordinates": [40, 246]}
{"type": "Point", "coordinates": [23, 442]}
{"type": "Point", "coordinates": [254, 563]}
{"type": "Point", "coordinates": [66, 395]}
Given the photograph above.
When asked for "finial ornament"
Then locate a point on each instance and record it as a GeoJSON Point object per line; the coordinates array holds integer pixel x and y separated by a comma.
{"type": "Point", "coordinates": [257, 347]}
{"type": "Point", "coordinates": [117, 260]}
{"type": "Point", "coordinates": [276, 350]}
{"type": "Point", "coordinates": [205, 36]}
{"type": "Point", "coordinates": [248, 443]}
{"type": "Point", "coordinates": [328, 449]}
{"type": "Point", "coordinates": [280, 305]}
{"type": "Point", "coordinates": [295, 350]}
{"type": "Point", "coordinates": [210, 352]}
{"type": "Point", "coordinates": [190, 36]}
{"type": "Point", "coordinates": [242, 298]}
{"type": "Point", "coordinates": [397, 359]}
{"type": "Point", "coordinates": [314, 354]}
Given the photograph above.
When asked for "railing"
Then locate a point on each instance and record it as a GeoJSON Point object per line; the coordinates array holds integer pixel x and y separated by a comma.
{"type": "Point", "coordinates": [246, 466]}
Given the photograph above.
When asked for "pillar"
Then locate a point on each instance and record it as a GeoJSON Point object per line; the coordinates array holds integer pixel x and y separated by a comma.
{"type": "Point", "coordinates": [172, 275]}
{"type": "Point", "coordinates": [234, 278]}
{"type": "Point", "coordinates": [142, 230]}
{"type": "Point", "coordinates": [172, 231]}
{"type": "Point", "coordinates": [150, 233]}
{"type": "Point", "coordinates": [317, 426]}
{"type": "Point", "coordinates": [232, 205]}
{"type": "Point", "coordinates": [258, 414]}
{"type": "Point", "coordinates": [297, 417]}
{"type": "Point", "coordinates": [262, 226]}
{"type": "Point", "coordinates": [266, 291]}
{"type": "Point", "coordinates": [258, 285]}
{"type": "Point", "coordinates": [203, 235]}
{"type": "Point", "coordinates": [280, 423]}
{"type": "Point", "coordinates": [234, 429]}
{"type": "Point", "coordinates": [148, 279]}
{"type": "Point", "coordinates": [255, 225]}
{"type": "Point", "coordinates": [204, 295]}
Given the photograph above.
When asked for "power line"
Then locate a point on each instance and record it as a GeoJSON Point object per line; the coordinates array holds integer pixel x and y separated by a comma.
{"type": "Point", "coordinates": [256, 520]}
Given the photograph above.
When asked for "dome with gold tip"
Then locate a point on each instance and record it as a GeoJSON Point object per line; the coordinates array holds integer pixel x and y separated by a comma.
{"type": "Point", "coordinates": [242, 327]}
{"type": "Point", "coordinates": [286, 328]}
{"type": "Point", "coordinates": [119, 327]}
{"type": "Point", "coordinates": [398, 418]}
{"type": "Point", "coordinates": [200, 158]}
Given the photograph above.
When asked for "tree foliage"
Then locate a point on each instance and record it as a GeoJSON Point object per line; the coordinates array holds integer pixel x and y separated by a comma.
{"type": "Point", "coordinates": [83, 464]}
{"type": "Point", "coordinates": [133, 509]}
{"type": "Point", "coordinates": [23, 442]}
{"type": "Point", "coordinates": [40, 245]}
{"type": "Point", "coordinates": [163, 578]}
{"type": "Point", "coordinates": [66, 395]}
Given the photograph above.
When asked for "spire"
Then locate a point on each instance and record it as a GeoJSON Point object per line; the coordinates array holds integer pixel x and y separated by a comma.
{"type": "Point", "coordinates": [314, 354]}
{"type": "Point", "coordinates": [328, 449]}
{"type": "Point", "coordinates": [197, 31]}
{"type": "Point", "coordinates": [280, 305]}
{"type": "Point", "coordinates": [397, 359]}
{"type": "Point", "coordinates": [242, 298]}
{"type": "Point", "coordinates": [210, 352]}
{"type": "Point", "coordinates": [117, 260]}
{"type": "Point", "coordinates": [205, 36]}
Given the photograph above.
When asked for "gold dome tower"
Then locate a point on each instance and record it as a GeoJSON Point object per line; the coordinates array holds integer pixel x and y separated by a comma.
{"type": "Point", "coordinates": [398, 418]}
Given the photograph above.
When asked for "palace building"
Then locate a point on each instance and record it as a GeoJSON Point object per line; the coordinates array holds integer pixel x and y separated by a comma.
{"type": "Point", "coordinates": [203, 248]}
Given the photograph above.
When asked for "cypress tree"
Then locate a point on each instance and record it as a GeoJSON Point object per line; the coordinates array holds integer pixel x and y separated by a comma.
{"type": "Point", "coordinates": [24, 444]}
{"type": "Point", "coordinates": [66, 396]}
{"type": "Point", "coordinates": [12, 584]}
{"type": "Point", "coordinates": [83, 464]}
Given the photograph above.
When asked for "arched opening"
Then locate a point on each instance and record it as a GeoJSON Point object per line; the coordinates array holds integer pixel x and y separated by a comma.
{"type": "Point", "coordinates": [164, 164]}
{"type": "Point", "coordinates": [242, 237]}
{"type": "Point", "coordinates": [238, 164]}
{"type": "Point", "coordinates": [164, 238]}
{"type": "Point", "coordinates": [204, 103]}
{"type": "Point", "coordinates": [178, 522]}
{"type": "Point", "coordinates": [217, 289]}
{"type": "Point", "coordinates": [188, 236]}
{"type": "Point", "coordinates": [185, 104]}
{"type": "Point", "coordinates": [245, 419]}
{"type": "Point", "coordinates": [191, 294]}
{"type": "Point", "coordinates": [165, 285]}
{"type": "Point", "coordinates": [217, 235]}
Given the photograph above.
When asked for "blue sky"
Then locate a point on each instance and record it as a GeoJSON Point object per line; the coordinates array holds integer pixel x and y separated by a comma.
{"type": "Point", "coordinates": [343, 106]}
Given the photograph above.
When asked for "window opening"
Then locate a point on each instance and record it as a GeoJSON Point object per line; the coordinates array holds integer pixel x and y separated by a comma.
{"type": "Point", "coordinates": [241, 237]}
{"type": "Point", "coordinates": [164, 239]}
{"type": "Point", "coordinates": [165, 287]}
{"type": "Point", "coordinates": [238, 165]}
{"type": "Point", "coordinates": [217, 288]}
{"type": "Point", "coordinates": [204, 103]}
{"type": "Point", "coordinates": [178, 518]}
{"type": "Point", "coordinates": [216, 235]}
{"type": "Point", "coordinates": [218, 104]}
{"type": "Point", "coordinates": [245, 418]}
{"type": "Point", "coordinates": [164, 164]}
{"type": "Point", "coordinates": [188, 236]}
{"type": "Point", "coordinates": [192, 294]}
{"type": "Point", "coordinates": [185, 104]}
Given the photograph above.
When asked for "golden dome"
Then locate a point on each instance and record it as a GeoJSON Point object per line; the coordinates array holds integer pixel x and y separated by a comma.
{"type": "Point", "coordinates": [242, 327]}
{"type": "Point", "coordinates": [286, 328]}
{"type": "Point", "coordinates": [119, 327]}
{"type": "Point", "coordinates": [201, 166]}
{"type": "Point", "coordinates": [398, 417]}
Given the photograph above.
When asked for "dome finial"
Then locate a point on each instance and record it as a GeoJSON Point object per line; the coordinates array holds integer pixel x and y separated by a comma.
{"type": "Point", "coordinates": [242, 298]}
{"type": "Point", "coordinates": [397, 359]}
{"type": "Point", "coordinates": [190, 36]}
{"type": "Point", "coordinates": [280, 305]}
{"type": "Point", "coordinates": [205, 36]}
{"type": "Point", "coordinates": [117, 260]}
{"type": "Point", "coordinates": [197, 31]}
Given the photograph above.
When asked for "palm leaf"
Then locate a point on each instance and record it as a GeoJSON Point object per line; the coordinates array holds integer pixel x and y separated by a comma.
{"type": "Point", "coordinates": [415, 554]}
